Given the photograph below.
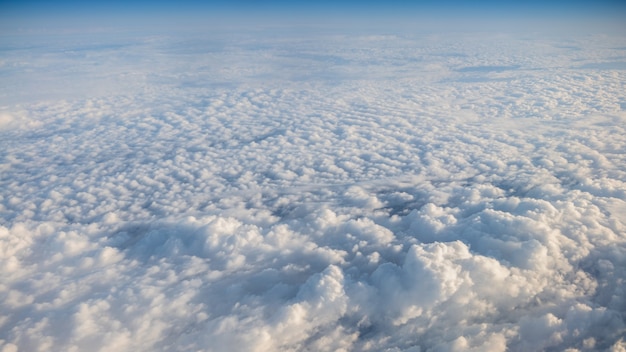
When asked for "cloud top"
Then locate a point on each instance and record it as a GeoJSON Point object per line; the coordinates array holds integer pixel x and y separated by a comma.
{"type": "Point", "coordinates": [314, 190]}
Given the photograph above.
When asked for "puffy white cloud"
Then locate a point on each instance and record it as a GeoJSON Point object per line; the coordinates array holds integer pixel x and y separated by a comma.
{"type": "Point", "coordinates": [343, 192]}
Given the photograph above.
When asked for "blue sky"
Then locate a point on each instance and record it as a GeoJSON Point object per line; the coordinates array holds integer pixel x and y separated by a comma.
{"type": "Point", "coordinates": [534, 7]}
{"type": "Point", "coordinates": [41, 16]}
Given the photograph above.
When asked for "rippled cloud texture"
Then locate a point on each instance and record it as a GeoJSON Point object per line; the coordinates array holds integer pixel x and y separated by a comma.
{"type": "Point", "coordinates": [314, 187]}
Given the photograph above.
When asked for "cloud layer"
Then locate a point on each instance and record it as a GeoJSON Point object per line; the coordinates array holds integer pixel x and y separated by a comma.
{"type": "Point", "coordinates": [248, 192]}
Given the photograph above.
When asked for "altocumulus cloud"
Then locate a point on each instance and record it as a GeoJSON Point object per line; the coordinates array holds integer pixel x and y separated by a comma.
{"type": "Point", "coordinates": [247, 192]}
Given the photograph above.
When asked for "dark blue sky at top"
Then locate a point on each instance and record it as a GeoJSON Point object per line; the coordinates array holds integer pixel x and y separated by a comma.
{"type": "Point", "coordinates": [155, 11]}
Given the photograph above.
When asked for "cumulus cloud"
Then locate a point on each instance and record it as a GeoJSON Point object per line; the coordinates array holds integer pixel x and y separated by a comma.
{"type": "Point", "coordinates": [408, 193]}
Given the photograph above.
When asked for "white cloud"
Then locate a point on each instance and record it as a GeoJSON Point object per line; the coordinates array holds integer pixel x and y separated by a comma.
{"type": "Point", "coordinates": [386, 199]}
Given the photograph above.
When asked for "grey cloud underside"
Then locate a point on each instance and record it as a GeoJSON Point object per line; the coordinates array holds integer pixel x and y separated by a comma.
{"type": "Point", "coordinates": [329, 193]}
